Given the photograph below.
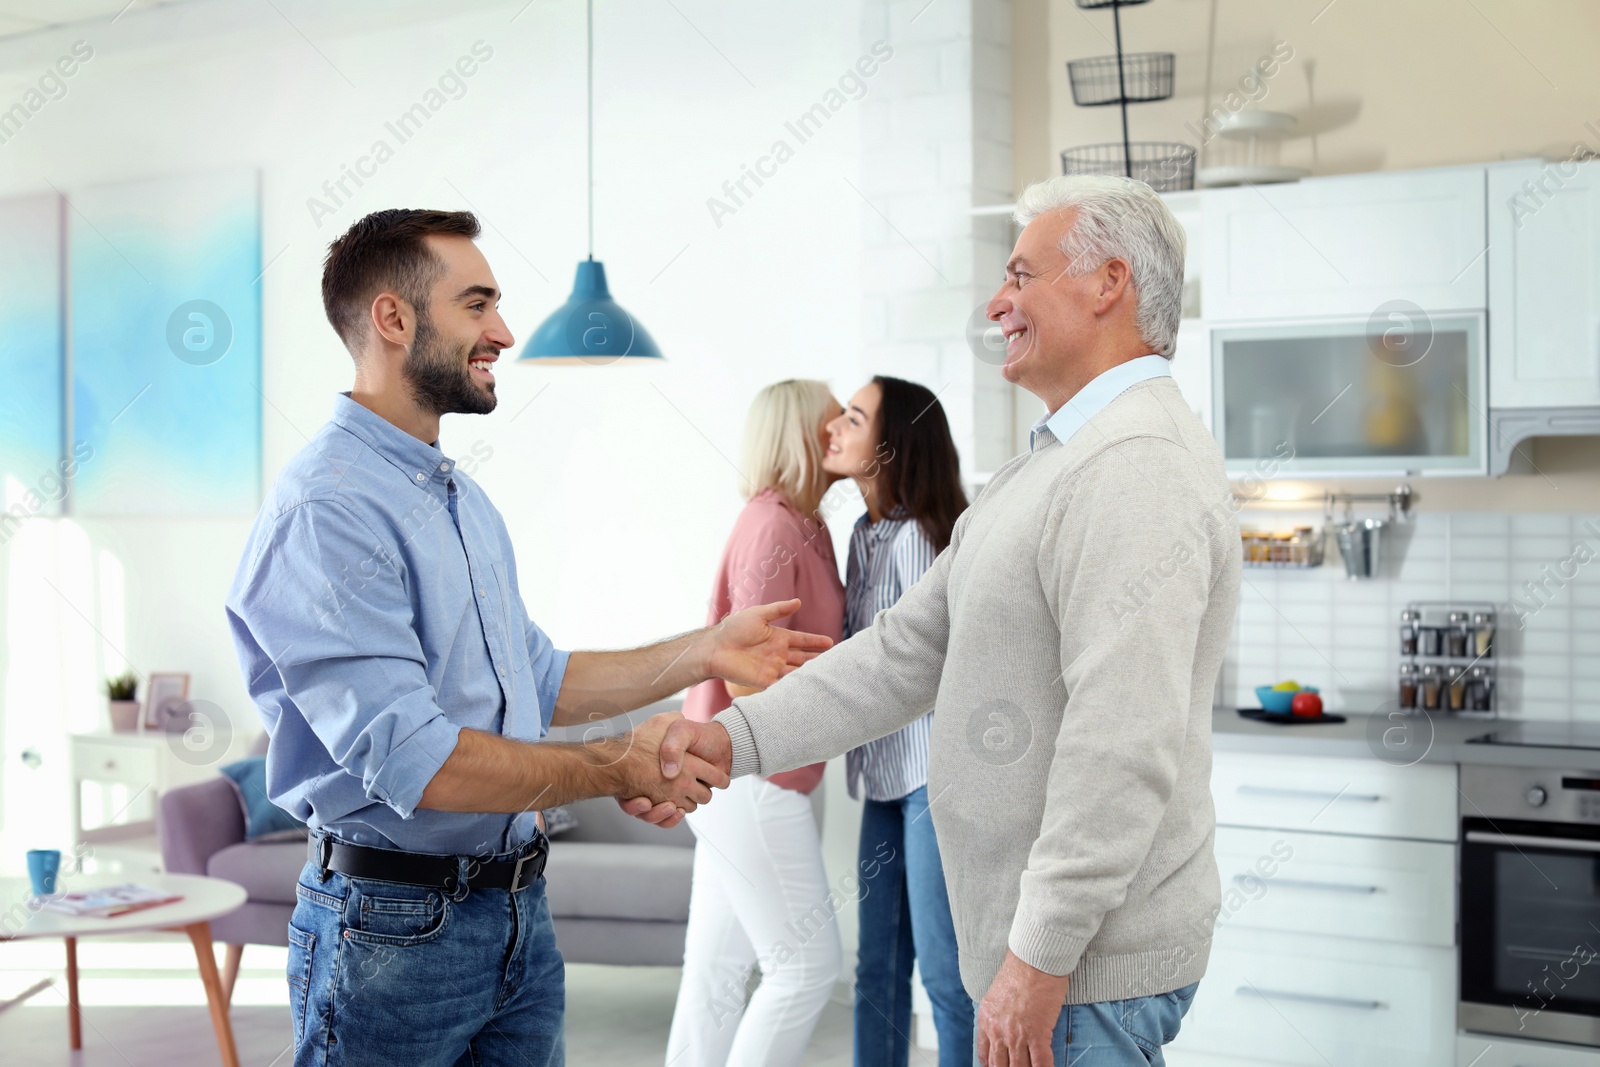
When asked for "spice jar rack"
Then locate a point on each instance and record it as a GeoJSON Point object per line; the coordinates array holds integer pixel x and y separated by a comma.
{"type": "Point", "coordinates": [1299, 548]}
{"type": "Point", "coordinates": [1447, 658]}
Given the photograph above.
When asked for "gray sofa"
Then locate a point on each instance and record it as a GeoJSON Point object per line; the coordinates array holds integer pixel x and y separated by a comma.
{"type": "Point", "coordinates": [618, 888]}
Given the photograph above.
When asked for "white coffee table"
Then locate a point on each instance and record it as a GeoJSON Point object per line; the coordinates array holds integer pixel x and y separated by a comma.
{"type": "Point", "coordinates": [204, 899]}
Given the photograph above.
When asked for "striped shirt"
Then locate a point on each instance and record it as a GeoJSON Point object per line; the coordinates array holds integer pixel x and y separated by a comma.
{"type": "Point", "coordinates": [886, 558]}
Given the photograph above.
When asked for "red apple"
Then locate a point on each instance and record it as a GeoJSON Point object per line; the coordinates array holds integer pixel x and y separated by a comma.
{"type": "Point", "coordinates": [1306, 704]}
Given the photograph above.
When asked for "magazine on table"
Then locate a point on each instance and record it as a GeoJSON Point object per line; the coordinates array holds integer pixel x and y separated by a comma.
{"type": "Point", "coordinates": [110, 901]}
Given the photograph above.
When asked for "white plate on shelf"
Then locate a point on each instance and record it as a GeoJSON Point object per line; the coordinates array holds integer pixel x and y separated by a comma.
{"type": "Point", "coordinates": [1248, 174]}
{"type": "Point", "coordinates": [1263, 125]}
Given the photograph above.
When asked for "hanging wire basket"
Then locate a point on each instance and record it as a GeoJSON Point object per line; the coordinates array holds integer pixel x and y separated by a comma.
{"type": "Point", "coordinates": [1166, 166]}
{"type": "Point", "coordinates": [1146, 76]}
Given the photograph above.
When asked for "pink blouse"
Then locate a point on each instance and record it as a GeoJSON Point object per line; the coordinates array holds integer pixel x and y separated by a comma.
{"type": "Point", "coordinates": [774, 553]}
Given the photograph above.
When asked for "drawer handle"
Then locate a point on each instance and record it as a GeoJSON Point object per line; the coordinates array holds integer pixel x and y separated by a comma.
{"type": "Point", "coordinates": [1311, 998]}
{"type": "Point", "coordinates": [1480, 837]}
{"type": "Point", "coordinates": [1291, 883]}
{"type": "Point", "coordinates": [1307, 794]}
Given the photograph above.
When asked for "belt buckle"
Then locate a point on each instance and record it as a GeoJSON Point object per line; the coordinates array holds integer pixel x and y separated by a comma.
{"type": "Point", "coordinates": [536, 852]}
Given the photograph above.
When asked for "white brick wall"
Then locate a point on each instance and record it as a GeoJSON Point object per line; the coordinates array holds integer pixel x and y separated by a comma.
{"type": "Point", "coordinates": [1343, 637]}
{"type": "Point", "coordinates": [936, 130]}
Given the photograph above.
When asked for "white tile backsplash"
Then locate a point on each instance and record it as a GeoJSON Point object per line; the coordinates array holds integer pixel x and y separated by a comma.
{"type": "Point", "coordinates": [1322, 629]}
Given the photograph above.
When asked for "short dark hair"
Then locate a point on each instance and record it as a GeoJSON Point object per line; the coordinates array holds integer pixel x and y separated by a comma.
{"type": "Point", "coordinates": [920, 470]}
{"type": "Point", "coordinates": [385, 250]}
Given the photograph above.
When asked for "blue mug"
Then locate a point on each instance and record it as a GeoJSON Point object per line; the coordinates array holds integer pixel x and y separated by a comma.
{"type": "Point", "coordinates": [43, 865]}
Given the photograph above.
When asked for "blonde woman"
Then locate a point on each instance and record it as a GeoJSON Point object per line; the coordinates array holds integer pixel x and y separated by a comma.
{"type": "Point", "coordinates": [760, 894]}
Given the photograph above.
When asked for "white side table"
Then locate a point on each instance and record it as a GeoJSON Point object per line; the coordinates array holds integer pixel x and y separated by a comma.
{"type": "Point", "coordinates": [204, 899]}
{"type": "Point", "coordinates": [145, 765]}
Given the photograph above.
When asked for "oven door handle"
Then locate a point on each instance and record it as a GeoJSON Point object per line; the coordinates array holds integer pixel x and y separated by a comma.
{"type": "Point", "coordinates": [1482, 837]}
{"type": "Point", "coordinates": [1308, 998]}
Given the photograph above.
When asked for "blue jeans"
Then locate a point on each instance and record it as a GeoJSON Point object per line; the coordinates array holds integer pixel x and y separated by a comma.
{"type": "Point", "coordinates": [382, 973]}
{"type": "Point", "coordinates": [905, 916]}
{"type": "Point", "coordinates": [1118, 1033]}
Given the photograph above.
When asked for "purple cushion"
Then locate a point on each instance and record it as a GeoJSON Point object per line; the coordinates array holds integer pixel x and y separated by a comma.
{"type": "Point", "coordinates": [268, 871]}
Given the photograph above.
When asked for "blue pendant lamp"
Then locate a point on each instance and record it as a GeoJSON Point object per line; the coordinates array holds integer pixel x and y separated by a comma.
{"type": "Point", "coordinates": [590, 328]}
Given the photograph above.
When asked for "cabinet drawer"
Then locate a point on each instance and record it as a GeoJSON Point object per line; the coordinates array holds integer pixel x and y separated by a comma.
{"type": "Point", "coordinates": [104, 761]}
{"type": "Point", "coordinates": [1367, 887]}
{"type": "Point", "coordinates": [1318, 1000]}
{"type": "Point", "coordinates": [1475, 1051]}
{"type": "Point", "coordinates": [1335, 796]}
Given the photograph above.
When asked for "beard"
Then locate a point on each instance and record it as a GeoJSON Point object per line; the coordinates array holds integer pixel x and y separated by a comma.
{"type": "Point", "coordinates": [440, 376]}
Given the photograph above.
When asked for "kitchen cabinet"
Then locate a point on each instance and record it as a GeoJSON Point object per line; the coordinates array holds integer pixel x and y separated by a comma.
{"type": "Point", "coordinates": [1345, 245]}
{"type": "Point", "coordinates": [1351, 396]}
{"type": "Point", "coordinates": [1544, 285]}
{"type": "Point", "coordinates": [1313, 1001]}
{"type": "Point", "coordinates": [1338, 886]}
{"type": "Point", "coordinates": [1331, 795]}
{"type": "Point", "coordinates": [1336, 940]}
{"type": "Point", "coordinates": [1191, 367]}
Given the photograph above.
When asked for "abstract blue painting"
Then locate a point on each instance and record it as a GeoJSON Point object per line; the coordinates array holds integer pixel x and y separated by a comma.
{"type": "Point", "coordinates": [32, 357]}
{"type": "Point", "coordinates": [166, 344]}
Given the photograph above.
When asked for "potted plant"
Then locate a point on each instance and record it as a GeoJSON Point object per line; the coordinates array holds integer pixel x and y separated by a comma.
{"type": "Point", "coordinates": [121, 693]}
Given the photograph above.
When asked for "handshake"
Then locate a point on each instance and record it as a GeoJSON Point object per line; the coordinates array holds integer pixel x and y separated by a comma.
{"type": "Point", "coordinates": [670, 766]}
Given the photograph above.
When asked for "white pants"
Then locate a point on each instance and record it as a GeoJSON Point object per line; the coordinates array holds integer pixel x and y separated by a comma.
{"type": "Point", "coordinates": [760, 900]}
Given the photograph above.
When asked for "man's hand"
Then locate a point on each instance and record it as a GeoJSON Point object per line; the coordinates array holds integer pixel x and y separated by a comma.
{"type": "Point", "coordinates": [655, 796]}
{"type": "Point", "coordinates": [746, 649]}
{"type": "Point", "coordinates": [696, 742]}
{"type": "Point", "coordinates": [1018, 1016]}
{"type": "Point", "coordinates": [665, 815]}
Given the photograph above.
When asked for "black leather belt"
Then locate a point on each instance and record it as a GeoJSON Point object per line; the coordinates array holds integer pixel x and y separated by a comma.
{"type": "Point", "coordinates": [425, 869]}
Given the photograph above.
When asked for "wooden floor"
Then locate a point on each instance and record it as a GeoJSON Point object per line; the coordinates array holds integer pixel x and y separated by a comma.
{"type": "Point", "coordinates": [142, 1005]}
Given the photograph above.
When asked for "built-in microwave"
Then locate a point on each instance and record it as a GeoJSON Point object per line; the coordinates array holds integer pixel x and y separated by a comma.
{"type": "Point", "coordinates": [1399, 392]}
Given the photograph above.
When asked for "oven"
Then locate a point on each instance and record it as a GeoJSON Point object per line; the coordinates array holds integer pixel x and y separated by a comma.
{"type": "Point", "coordinates": [1530, 903]}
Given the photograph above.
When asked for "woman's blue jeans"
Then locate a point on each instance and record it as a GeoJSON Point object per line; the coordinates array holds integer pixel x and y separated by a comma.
{"type": "Point", "coordinates": [905, 917]}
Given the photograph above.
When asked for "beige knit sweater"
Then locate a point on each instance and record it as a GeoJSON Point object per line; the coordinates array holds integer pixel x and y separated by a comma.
{"type": "Point", "coordinates": [1068, 641]}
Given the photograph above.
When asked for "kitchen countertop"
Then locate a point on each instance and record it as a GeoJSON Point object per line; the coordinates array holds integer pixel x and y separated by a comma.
{"type": "Point", "coordinates": [1397, 740]}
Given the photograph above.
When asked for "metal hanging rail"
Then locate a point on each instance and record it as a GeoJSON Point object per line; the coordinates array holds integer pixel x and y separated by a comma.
{"type": "Point", "coordinates": [1399, 500]}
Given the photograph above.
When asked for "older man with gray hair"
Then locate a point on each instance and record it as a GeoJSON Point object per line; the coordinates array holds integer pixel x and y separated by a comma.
{"type": "Point", "coordinates": [1069, 641]}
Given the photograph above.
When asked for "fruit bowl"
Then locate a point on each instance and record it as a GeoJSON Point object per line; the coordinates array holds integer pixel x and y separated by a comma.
{"type": "Point", "coordinates": [1277, 701]}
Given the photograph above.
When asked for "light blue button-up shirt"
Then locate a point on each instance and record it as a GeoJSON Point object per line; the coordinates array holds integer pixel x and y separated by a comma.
{"type": "Point", "coordinates": [376, 615]}
{"type": "Point", "coordinates": [1102, 389]}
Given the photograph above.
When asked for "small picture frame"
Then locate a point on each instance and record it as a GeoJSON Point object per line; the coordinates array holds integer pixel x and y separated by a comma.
{"type": "Point", "coordinates": [162, 694]}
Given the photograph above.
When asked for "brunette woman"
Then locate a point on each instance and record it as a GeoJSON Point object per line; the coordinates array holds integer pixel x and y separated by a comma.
{"type": "Point", "coordinates": [894, 441]}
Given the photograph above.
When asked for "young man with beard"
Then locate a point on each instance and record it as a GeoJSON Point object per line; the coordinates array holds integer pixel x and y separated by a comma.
{"type": "Point", "coordinates": [378, 622]}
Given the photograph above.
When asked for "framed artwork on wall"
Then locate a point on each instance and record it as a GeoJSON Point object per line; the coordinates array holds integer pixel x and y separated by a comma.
{"type": "Point", "coordinates": [165, 328]}
{"type": "Point", "coordinates": [32, 358]}
{"type": "Point", "coordinates": [164, 693]}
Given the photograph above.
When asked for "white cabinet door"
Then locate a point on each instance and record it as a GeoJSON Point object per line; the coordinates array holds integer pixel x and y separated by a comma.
{"type": "Point", "coordinates": [1323, 1000]}
{"type": "Point", "coordinates": [1544, 285]}
{"type": "Point", "coordinates": [1345, 245]}
{"type": "Point", "coordinates": [1191, 367]}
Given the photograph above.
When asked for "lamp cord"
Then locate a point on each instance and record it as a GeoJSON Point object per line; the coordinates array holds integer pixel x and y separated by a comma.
{"type": "Point", "coordinates": [589, 72]}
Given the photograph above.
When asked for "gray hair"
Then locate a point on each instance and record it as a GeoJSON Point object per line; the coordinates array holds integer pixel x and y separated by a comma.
{"type": "Point", "coordinates": [1119, 218]}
